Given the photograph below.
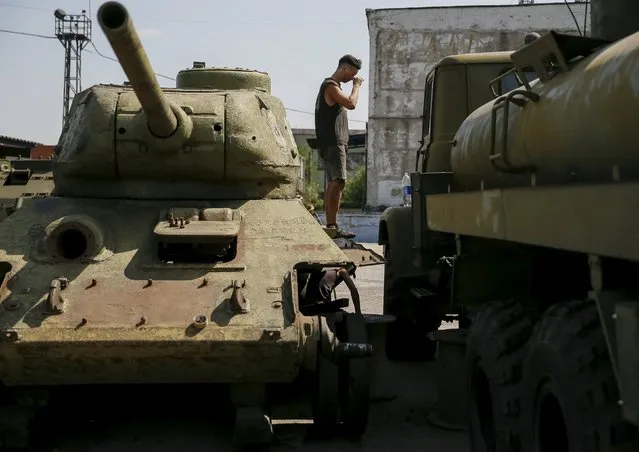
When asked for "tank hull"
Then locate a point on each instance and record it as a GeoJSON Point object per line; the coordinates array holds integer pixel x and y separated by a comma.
{"type": "Point", "coordinates": [127, 316]}
{"type": "Point", "coordinates": [153, 356]}
{"type": "Point", "coordinates": [582, 128]}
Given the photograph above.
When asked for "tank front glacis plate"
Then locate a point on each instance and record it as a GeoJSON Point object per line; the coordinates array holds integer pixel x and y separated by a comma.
{"type": "Point", "coordinates": [125, 316]}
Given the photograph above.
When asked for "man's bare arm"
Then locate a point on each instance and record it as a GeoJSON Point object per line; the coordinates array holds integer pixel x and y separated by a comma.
{"type": "Point", "coordinates": [344, 275]}
{"type": "Point", "coordinates": [338, 96]}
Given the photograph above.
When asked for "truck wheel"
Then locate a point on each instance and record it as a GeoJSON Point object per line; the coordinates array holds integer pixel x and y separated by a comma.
{"type": "Point", "coordinates": [494, 354]}
{"type": "Point", "coordinates": [569, 391]}
{"type": "Point", "coordinates": [406, 339]}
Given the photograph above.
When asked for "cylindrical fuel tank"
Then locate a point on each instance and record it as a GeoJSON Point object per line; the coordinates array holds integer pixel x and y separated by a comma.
{"type": "Point", "coordinates": [584, 127]}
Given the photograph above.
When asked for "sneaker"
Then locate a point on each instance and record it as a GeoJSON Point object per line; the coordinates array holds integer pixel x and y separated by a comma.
{"type": "Point", "coordinates": [335, 232]}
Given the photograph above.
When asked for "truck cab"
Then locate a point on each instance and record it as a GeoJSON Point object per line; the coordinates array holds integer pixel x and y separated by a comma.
{"type": "Point", "coordinates": [454, 88]}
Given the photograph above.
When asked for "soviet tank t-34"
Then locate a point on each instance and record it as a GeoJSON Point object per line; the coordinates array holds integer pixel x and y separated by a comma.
{"type": "Point", "coordinates": [171, 248]}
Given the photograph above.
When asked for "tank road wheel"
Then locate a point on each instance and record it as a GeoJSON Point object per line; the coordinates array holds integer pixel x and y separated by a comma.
{"type": "Point", "coordinates": [342, 389]}
{"type": "Point", "coordinates": [569, 394]}
{"type": "Point", "coordinates": [18, 412]}
{"type": "Point", "coordinates": [354, 378]}
{"type": "Point", "coordinates": [253, 430]}
{"type": "Point", "coordinates": [325, 393]}
{"type": "Point", "coordinates": [406, 339]}
{"type": "Point", "coordinates": [494, 355]}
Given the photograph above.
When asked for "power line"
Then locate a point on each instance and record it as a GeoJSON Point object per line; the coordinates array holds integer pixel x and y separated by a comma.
{"type": "Point", "coordinates": [97, 52]}
{"type": "Point", "coordinates": [12, 5]}
{"type": "Point", "coordinates": [311, 113]}
{"type": "Point", "coordinates": [573, 17]}
{"type": "Point", "coordinates": [35, 35]}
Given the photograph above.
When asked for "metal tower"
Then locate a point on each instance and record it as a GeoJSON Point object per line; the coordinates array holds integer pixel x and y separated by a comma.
{"type": "Point", "coordinates": [74, 32]}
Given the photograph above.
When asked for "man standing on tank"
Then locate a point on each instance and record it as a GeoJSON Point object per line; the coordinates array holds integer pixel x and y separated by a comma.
{"type": "Point", "coordinates": [331, 129]}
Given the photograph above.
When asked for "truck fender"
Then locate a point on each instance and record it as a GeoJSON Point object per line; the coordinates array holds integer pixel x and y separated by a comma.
{"type": "Point", "coordinates": [396, 235]}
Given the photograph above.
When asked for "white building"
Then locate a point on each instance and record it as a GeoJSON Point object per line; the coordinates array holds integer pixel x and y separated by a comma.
{"type": "Point", "coordinates": [405, 43]}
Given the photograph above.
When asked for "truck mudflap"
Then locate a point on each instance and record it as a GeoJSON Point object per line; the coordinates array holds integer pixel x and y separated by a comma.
{"type": "Point", "coordinates": [153, 355]}
{"type": "Point", "coordinates": [358, 253]}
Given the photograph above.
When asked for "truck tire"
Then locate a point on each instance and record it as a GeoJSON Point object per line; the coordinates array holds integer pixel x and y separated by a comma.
{"type": "Point", "coordinates": [494, 356]}
{"type": "Point", "coordinates": [406, 339]}
{"type": "Point", "coordinates": [569, 392]}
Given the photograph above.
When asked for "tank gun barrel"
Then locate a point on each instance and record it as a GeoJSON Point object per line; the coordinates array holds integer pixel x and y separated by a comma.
{"type": "Point", "coordinates": [118, 27]}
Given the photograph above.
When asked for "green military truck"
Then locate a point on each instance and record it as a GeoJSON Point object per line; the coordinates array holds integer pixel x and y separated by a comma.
{"type": "Point", "coordinates": [523, 228]}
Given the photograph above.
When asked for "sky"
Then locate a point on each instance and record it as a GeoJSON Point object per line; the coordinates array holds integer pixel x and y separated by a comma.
{"type": "Point", "coordinates": [298, 42]}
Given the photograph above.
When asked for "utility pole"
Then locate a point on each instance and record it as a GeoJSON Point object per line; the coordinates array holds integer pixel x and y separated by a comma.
{"type": "Point", "coordinates": [74, 32]}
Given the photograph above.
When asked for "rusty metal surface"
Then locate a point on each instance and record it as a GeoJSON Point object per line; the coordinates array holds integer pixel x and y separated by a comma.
{"type": "Point", "coordinates": [125, 303]}
{"type": "Point", "coordinates": [226, 141]}
{"type": "Point", "coordinates": [167, 250]}
{"type": "Point", "coordinates": [223, 78]}
{"type": "Point", "coordinates": [149, 355]}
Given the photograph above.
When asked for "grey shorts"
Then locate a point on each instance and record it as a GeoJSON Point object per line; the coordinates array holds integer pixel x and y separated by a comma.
{"type": "Point", "coordinates": [334, 161]}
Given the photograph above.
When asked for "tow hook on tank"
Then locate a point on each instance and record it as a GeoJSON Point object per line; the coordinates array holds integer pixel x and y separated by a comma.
{"type": "Point", "coordinates": [55, 301]}
{"type": "Point", "coordinates": [238, 303]}
{"type": "Point", "coordinates": [349, 350]}
{"type": "Point", "coordinates": [336, 350]}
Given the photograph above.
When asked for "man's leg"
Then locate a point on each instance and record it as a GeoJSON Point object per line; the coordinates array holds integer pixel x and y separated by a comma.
{"type": "Point", "coordinates": [332, 200]}
{"type": "Point", "coordinates": [335, 167]}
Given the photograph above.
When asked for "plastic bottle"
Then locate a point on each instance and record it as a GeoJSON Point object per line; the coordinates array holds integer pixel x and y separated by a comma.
{"type": "Point", "coordinates": [407, 190]}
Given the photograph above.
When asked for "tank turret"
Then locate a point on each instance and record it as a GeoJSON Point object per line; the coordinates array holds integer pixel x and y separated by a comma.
{"type": "Point", "coordinates": [219, 134]}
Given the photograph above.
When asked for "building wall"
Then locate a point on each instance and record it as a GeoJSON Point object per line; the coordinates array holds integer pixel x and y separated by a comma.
{"type": "Point", "coordinates": [405, 44]}
{"type": "Point", "coordinates": [15, 147]}
{"type": "Point", "coordinates": [614, 19]}
{"type": "Point", "coordinates": [43, 151]}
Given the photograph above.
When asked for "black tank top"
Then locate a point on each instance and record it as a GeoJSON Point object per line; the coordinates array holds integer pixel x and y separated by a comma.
{"type": "Point", "coordinates": [331, 122]}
